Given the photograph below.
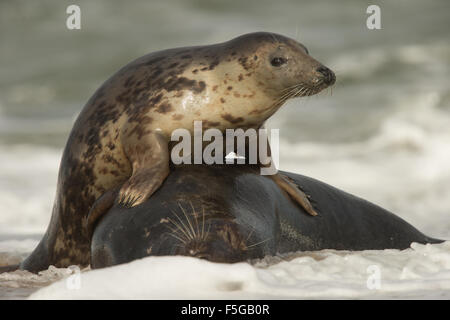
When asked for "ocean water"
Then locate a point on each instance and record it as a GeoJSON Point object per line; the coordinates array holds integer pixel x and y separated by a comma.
{"type": "Point", "coordinates": [382, 132]}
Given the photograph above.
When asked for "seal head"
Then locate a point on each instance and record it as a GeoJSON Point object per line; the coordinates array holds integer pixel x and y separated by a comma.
{"type": "Point", "coordinates": [174, 228]}
{"type": "Point", "coordinates": [282, 65]}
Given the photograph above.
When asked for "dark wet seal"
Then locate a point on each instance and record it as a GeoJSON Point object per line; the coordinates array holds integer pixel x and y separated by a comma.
{"type": "Point", "coordinates": [239, 215]}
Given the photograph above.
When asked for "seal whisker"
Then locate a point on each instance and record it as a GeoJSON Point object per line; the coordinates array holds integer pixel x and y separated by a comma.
{"type": "Point", "coordinates": [195, 219]}
{"type": "Point", "coordinates": [292, 92]}
{"type": "Point", "coordinates": [249, 235]}
{"type": "Point", "coordinates": [291, 87]}
{"type": "Point", "coordinates": [175, 232]}
{"type": "Point", "coordinates": [258, 243]}
{"type": "Point", "coordinates": [282, 98]}
{"type": "Point", "coordinates": [287, 93]}
{"type": "Point", "coordinates": [306, 92]}
{"type": "Point", "coordinates": [207, 231]}
{"type": "Point", "coordinates": [185, 229]}
{"type": "Point", "coordinates": [188, 221]}
{"type": "Point", "coordinates": [300, 92]}
{"type": "Point", "coordinates": [294, 87]}
{"type": "Point", "coordinates": [180, 236]}
{"type": "Point", "coordinates": [179, 228]}
{"type": "Point", "coordinates": [176, 237]}
{"type": "Point", "coordinates": [203, 224]}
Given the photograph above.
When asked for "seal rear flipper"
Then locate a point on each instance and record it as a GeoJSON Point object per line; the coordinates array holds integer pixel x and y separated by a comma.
{"type": "Point", "coordinates": [428, 239]}
{"type": "Point", "coordinates": [39, 259]}
{"type": "Point", "coordinates": [149, 156]}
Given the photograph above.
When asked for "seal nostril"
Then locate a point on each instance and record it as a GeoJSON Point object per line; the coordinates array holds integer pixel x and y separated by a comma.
{"type": "Point", "coordinates": [324, 71]}
{"type": "Point", "coordinates": [328, 75]}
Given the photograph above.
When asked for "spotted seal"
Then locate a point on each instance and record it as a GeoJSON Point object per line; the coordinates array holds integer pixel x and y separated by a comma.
{"type": "Point", "coordinates": [119, 145]}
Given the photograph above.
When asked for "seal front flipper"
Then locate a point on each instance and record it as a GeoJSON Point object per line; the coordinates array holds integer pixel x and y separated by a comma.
{"type": "Point", "coordinates": [286, 183]}
{"type": "Point", "coordinates": [149, 157]}
{"type": "Point", "coordinates": [294, 192]}
{"type": "Point", "coordinates": [99, 208]}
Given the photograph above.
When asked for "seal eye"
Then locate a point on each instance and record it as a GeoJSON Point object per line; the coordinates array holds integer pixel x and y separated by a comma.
{"type": "Point", "coordinates": [278, 61]}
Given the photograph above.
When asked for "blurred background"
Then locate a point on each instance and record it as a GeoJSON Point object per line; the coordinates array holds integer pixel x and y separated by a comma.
{"type": "Point", "coordinates": [382, 132]}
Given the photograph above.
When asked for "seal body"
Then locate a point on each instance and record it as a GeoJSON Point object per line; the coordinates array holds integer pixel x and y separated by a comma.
{"type": "Point", "coordinates": [240, 215]}
{"type": "Point", "coordinates": [119, 145]}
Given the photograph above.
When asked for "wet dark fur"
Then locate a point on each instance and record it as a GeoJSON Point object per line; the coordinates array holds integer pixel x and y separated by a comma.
{"type": "Point", "coordinates": [247, 216]}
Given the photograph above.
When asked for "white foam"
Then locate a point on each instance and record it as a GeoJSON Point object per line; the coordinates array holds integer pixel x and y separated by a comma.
{"type": "Point", "coordinates": [27, 187]}
{"type": "Point", "coordinates": [422, 271]}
